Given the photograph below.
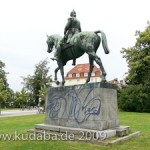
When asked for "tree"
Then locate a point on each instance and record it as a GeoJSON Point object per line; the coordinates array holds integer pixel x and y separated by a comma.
{"type": "Point", "coordinates": [22, 97]}
{"type": "Point", "coordinates": [138, 59]}
{"type": "Point", "coordinates": [3, 93]}
{"type": "Point", "coordinates": [10, 92]}
{"type": "Point", "coordinates": [38, 81]}
{"type": "Point", "coordinates": [10, 97]}
{"type": "Point", "coordinates": [6, 94]}
{"type": "Point", "coordinates": [3, 74]}
{"type": "Point", "coordinates": [136, 96]}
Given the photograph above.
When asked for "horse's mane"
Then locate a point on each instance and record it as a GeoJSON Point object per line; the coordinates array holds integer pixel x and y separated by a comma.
{"type": "Point", "coordinates": [57, 36]}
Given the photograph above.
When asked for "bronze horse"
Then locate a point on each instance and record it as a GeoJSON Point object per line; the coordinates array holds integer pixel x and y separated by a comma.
{"type": "Point", "coordinates": [83, 42]}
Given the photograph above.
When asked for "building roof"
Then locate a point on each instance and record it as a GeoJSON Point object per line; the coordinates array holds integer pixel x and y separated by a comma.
{"type": "Point", "coordinates": [120, 84]}
{"type": "Point", "coordinates": [114, 81]}
{"type": "Point", "coordinates": [83, 68]}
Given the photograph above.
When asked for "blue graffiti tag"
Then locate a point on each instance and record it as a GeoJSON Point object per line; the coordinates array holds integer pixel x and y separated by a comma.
{"type": "Point", "coordinates": [74, 105]}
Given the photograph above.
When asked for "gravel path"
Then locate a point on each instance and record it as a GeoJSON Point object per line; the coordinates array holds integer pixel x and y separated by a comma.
{"type": "Point", "coordinates": [11, 113]}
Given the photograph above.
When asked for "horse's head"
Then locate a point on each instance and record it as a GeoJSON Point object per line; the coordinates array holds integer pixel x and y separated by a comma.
{"type": "Point", "coordinates": [50, 43]}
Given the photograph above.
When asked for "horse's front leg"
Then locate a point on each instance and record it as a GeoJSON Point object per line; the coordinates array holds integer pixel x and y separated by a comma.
{"type": "Point", "coordinates": [90, 69]}
{"type": "Point", "coordinates": [61, 67]}
{"type": "Point", "coordinates": [56, 70]}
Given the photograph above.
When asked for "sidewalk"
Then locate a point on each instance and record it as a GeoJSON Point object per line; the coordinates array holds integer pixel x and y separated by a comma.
{"type": "Point", "coordinates": [11, 113]}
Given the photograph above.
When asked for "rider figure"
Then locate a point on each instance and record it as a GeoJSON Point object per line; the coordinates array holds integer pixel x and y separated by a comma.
{"type": "Point", "coordinates": [72, 27]}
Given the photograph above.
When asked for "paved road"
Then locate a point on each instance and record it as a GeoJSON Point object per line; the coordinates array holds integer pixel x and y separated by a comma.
{"type": "Point", "coordinates": [11, 113]}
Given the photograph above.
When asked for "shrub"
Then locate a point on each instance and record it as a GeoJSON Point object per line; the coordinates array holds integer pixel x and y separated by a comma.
{"type": "Point", "coordinates": [135, 98]}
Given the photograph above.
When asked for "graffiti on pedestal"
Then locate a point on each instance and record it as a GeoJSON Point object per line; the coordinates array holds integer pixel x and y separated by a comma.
{"type": "Point", "coordinates": [74, 104]}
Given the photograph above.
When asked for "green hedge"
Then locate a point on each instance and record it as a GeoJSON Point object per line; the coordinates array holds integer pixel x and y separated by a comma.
{"type": "Point", "coordinates": [135, 98]}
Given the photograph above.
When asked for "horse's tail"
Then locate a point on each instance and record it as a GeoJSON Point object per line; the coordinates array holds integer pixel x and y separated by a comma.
{"type": "Point", "coordinates": [104, 41]}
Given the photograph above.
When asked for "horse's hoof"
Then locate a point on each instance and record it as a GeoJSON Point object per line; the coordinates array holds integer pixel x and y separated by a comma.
{"type": "Point", "coordinates": [87, 81]}
{"type": "Point", "coordinates": [62, 83]}
{"type": "Point", "coordinates": [106, 52]}
{"type": "Point", "coordinates": [57, 82]}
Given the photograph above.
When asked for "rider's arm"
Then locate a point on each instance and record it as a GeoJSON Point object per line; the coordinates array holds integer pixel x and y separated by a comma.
{"type": "Point", "coordinates": [67, 26]}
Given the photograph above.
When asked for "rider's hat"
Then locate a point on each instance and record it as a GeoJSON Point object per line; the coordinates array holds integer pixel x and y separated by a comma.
{"type": "Point", "coordinates": [73, 13]}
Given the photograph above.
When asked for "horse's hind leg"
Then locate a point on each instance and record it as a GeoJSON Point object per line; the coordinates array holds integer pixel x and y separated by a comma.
{"type": "Point", "coordinates": [99, 62]}
{"type": "Point", "coordinates": [91, 61]}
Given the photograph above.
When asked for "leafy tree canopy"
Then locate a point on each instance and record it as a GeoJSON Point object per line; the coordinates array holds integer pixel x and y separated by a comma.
{"type": "Point", "coordinates": [138, 59]}
{"type": "Point", "coordinates": [38, 81]}
{"type": "Point", "coordinates": [3, 74]}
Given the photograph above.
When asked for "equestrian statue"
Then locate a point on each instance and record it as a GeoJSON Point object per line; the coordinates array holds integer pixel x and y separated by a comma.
{"type": "Point", "coordinates": [74, 44]}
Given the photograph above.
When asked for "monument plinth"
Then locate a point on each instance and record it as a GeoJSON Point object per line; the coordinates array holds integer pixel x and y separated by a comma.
{"type": "Point", "coordinates": [90, 106]}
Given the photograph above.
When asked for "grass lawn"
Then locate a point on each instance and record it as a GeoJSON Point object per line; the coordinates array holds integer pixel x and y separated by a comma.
{"type": "Point", "coordinates": [137, 121]}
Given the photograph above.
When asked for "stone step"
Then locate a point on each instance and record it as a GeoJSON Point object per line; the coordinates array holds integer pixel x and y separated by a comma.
{"type": "Point", "coordinates": [60, 136]}
{"type": "Point", "coordinates": [122, 130]}
{"type": "Point", "coordinates": [80, 131]}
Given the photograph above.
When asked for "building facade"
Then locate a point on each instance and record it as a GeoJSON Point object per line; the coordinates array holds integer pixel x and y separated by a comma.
{"type": "Point", "coordinates": [79, 74]}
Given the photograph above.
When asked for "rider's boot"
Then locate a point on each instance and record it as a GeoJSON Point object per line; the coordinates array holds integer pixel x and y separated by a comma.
{"type": "Point", "coordinates": [74, 62]}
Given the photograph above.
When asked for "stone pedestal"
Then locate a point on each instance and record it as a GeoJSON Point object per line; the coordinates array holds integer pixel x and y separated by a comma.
{"type": "Point", "coordinates": [90, 106]}
{"type": "Point", "coordinates": [85, 112]}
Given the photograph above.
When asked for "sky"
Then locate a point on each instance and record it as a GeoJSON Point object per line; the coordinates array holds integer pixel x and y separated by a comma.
{"type": "Point", "coordinates": [24, 25]}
